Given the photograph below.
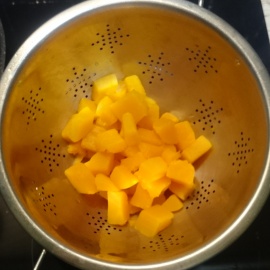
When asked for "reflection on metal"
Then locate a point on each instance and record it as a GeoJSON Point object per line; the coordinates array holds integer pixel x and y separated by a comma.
{"type": "Point", "coordinates": [40, 259]}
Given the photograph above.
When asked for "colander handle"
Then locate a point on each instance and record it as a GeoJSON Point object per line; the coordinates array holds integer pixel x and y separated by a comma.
{"type": "Point", "coordinates": [200, 3]}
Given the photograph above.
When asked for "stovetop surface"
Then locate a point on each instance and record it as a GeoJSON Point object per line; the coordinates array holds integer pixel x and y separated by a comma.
{"type": "Point", "coordinates": [19, 251]}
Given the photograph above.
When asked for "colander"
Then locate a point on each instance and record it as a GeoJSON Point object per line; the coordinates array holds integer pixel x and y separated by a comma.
{"type": "Point", "coordinates": [194, 65]}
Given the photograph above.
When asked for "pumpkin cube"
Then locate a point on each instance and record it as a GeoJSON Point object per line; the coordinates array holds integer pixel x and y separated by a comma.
{"type": "Point", "coordinates": [133, 103]}
{"type": "Point", "coordinates": [129, 130]}
{"type": "Point", "coordinates": [118, 207]}
{"type": "Point", "coordinates": [141, 198]}
{"type": "Point", "coordinates": [111, 141]}
{"type": "Point", "coordinates": [149, 136]}
{"type": "Point", "coordinates": [151, 116]}
{"type": "Point", "coordinates": [122, 177]}
{"type": "Point", "coordinates": [170, 153]}
{"type": "Point", "coordinates": [152, 169]}
{"type": "Point", "coordinates": [153, 220]}
{"type": "Point", "coordinates": [104, 115]}
{"type": "Point", "coordinates": [170, 116]}
{"type": "Point", "coordinates": [185, 134]}
{"type": "Point", "coordinates": [150, 150]}
{"type": "Point", "coordinates": [181, 171]}
{"type": "Point", "coordinates": [78, 125]}
{"type": "Point", "coordinates": [89, 141]}
{"type": "Point", "coordinates": [81, 178]}
{"type": "Point", "coordinates": [86, 102]}
{"type": "Point", "coordinates": [133, 83]}
{"type": "Point", "coordinates": [165, 128]}
{"type": "Point", "coordinates": [101, 162]}
{"type": "Point", "coordinates": [76, 149]}
{"type": "Point", "coordinates": [104, 183]}
{"type": "Point", "coordinates": [133, 162]}
{"type": "Point", "coordinates": [130, 151]}
{"type": "Point", "coordinates": [173, 203]}
{"type": "Point", "coordinates": [104, 86]}
{"type": "Point", "coordinates": [182, 190]}
{"type": "Point", "coordinates": [197, 149]}
{"type": "Point", "coordinates": [157, 187]}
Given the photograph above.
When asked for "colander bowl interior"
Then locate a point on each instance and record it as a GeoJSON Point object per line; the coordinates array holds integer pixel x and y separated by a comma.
{"type": "Point", "coordinates": [194, 65]}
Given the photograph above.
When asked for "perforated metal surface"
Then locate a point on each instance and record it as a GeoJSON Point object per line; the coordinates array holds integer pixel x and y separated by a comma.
{"type": "Point", "coordinates": [198, 75]}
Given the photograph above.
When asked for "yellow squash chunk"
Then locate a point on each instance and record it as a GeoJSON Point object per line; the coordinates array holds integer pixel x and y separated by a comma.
{"type": "Point", "coordinates": [165, 128]}
{"type": "Point", "coordinates": [170, 116]}
{"type": "Point", "coordinates": [157, 187]}
{"type": "Point", "coordinates": [111, 141]}
{"type": "Point", "coordinates": [101, 162]}
{"type": "Point", "coordinates": [104, 115]}
{"type": "Point", "coordinates": [153, 220]}
{"type": "Point", "coordinates": [133, 83]}
{"type": "Point", "coordinates": [86, 102]}
{"type": "Point", "coordinates": [182, 190]}
{"type": "Point", "coordinates": [89, 141]}
{"type": "Point", "coordinates": [173, 203]}
{"type": "Point", "coordinates": [197, 149]}
{"type": "Point", "coordinates": [118, 207]}
{"type": "Point", "coordinates": [150, 150]}
{"type": "Point", "coordinates": [122, 177]}
{"type": "Point", "coordinates": [141, 198]}
{"type": "Point", "coordinates": [76, 149]}
{"type": "Point", "coordinates": [152, 114]}
{"type": "Point", "coordinates": [149, 136]}
{"type": "Point", "coordinates": [104, 86]}
{"type": "Point", "coordinates": [133, 103]}
{"type": "Point", "coordinates": [185, 135]}
{"type": "Point", "coordinates": [130, 151]}
{"type": "Point", "coordinates": [104, 183]}
{"type": "Point", "coordinates": [79, 125]}
{"type": "Point", "coordinates": [152, 169]}
{"type": "Point", "coordinates": [133, 162]}
{"type": "Point", "coordinates": [181, 171]}
{"type": "Point", "coordinates": [81, 178]}
{"type": "Point", "coordinates": [129, 130]}
{"type": "Point", "coordinates": [170, 153]}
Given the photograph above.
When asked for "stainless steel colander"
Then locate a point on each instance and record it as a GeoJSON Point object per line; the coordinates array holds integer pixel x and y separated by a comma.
{"type": "Point", "coordinates": [194, 65]}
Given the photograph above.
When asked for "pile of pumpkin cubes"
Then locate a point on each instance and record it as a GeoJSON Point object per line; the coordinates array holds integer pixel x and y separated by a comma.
{"type": "Point", "coordinates": [138, 159]}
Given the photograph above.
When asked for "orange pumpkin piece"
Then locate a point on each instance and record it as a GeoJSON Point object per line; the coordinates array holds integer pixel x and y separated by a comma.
{"type": "Point", "coordinates": [133, 83]}
{"type": "Point", "coordinates": [197, 149]}
{"type": "Point", "coordinates": [152, 169]}
{"type": "Point", "coordinates": [118, 207]}
{"type": "Point", "coordinates": [185, 134]}
{"type": "Point", "coordinates": [181, 171]}
{"type": "Point", "coordinates": [129, 130]}
{"type": "Point", "coordinates": [141, 198]}
{"type": "Point", "coordinates": [149, 136]}
{"type": "Point", "coordinates": [86, 102]}
{"type": "Point", "coordinates": [132, 102]}
{"type": "Point", "coordinates": [104, 115]}
{"type": "Point", "coordinates": [104, 183]}
{"type": "Point", "coordinates": [165, 128]}
{"type": "Point", "coordinates": [110, 141]}
{"type": "Point", "coordinates": [173, 203]}
{"type": "Point", "coordinates": [78, 125]}
{"type": "Point", "coordinates": [81, 178]}
{"type": "Point", "coordinates": [157, 187]}
{"type": "Point", "coordinates": [101, 162]}
{"type": "Point", "coordinates": [106, 85]}
{"type": "Point", "coordinates": [122, 177]}
{"type": "Point", "coordinates": [153, 220]}
{"type": "Point", "coordinates": [182, 190]}
{"type": "Point", "coordinates": [152, 114]}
